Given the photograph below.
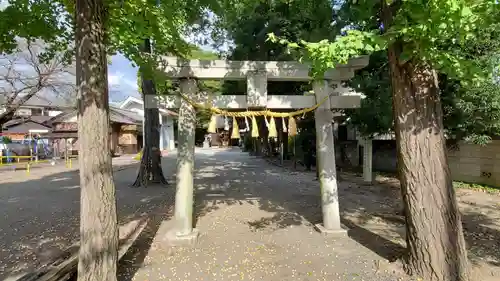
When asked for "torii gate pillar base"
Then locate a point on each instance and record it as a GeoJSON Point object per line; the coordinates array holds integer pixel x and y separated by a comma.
{"type": "Point", "coordinates": [341, 232]}
{"type": "Point", "coordinates": [175, 239]}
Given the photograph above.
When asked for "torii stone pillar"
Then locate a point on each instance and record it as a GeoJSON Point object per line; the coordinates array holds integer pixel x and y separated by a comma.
{"type": "Point", "coordinates": [184, 233]}
{"type": "Point", "coordinates": [325, 151]}
{"type": "Point", "coordinates": [257, 74]}
{"type": "Point", "coordinates": [367, 160]}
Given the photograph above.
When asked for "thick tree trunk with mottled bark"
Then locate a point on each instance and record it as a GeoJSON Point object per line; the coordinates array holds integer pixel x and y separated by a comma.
{"type": "Point", "coordinates": [436, 246]}
{"type": "Point", "coordinates": [436, 249]}
{"type": "Point", "coordinates": [98, 220]}
{"type": "Point", "coordinates": [150, 170]}
{"type": "Point", "coordinates": [434, 234]}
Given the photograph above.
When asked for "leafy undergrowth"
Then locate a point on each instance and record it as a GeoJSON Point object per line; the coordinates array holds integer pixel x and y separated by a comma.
{"type": "Point", "coordinates": [456, 184]}
{"type": "Point", "coordinates": [138, 156]}
{"type": "Point", "coordinates": [477, 187]}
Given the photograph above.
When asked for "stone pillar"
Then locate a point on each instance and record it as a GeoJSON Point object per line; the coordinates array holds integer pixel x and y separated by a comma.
{"type": "Point", "coordinates": [162, 135]}
{"type": "Point", "coordinates": [143, 127]}
{"type": "Point", "coordinates": [256, 89]}
{"type": "Point", "coordinates": [66, 150]}
{"type": "Point", "coordinates": [367, 160]}
{"type": "Point", "coordinates": [184, 233]}
{"type": "Point", "coordinates": [170, 134]}
{"type": "Point", "coordinates": [326, 162]}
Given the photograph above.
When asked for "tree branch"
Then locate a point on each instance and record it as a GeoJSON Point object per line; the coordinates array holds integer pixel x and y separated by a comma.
{"type": "Point", "coordinates": [24, 74]}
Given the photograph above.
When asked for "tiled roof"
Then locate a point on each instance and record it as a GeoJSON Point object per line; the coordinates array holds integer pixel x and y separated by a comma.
{"type": "Point", "coordinates": [127, 113]}
{"type": "Point", "coordinates": [43, 102]}
{"type": "Point", "coordinates": [132, 99]}
{"type": "Point", "coordinates": [37, 119]}
{"type": "Point", "coordinates": [116, 115]}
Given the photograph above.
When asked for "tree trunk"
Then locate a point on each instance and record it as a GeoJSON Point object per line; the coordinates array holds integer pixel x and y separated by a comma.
{"type": "Point", "coordinates": [150, 170]}
{"type": "Point", "coordinates": [286, 153]}
{"type": "Point", "coordinates": [434, 235]}
{"type": "Point", "coordinates": [4, 118]}
{"type": "Point", "coordinates": [12, 105]}
{"type": "Point", "coordinates": [98, 219]}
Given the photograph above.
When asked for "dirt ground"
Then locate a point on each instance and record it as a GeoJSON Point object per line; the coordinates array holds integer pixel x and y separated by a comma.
{"type": "Point", "coordinates": [255, 221]}
{"type": "Point", "coordinates": [381, 218]}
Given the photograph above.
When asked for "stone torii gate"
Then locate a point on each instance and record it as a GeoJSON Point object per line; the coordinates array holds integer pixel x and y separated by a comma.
{"type": "Point", "coordinates": [257, 73]}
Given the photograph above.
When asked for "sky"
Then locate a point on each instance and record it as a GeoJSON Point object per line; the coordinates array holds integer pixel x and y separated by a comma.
{"type": "Point", "coordinates": [122, 76]}
{"type": "Point", "coordinates": [122, 79]}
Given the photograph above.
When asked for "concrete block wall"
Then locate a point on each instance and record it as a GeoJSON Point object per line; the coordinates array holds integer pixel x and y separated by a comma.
{"type": "Point", "coordinates": [468, 162]}
{"type": "Point", "coordinates": [476, 164]}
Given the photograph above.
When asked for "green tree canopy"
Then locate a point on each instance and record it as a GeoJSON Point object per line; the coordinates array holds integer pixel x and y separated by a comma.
{"type": "Point", "coordinates": [129, 23]}
{"type": "Point", "coordinates": [470, 110]}
{"type": "Point", "coordinates": [421, 38]}
{"type": "Point", "coordinates": [248, 22]}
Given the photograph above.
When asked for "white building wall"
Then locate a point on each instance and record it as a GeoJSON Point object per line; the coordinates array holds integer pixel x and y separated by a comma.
{"type": "Point", "coordinates": [167, 138]}
{"type": "Point", "coordinates": [53, 113]}
{"type": "Point", "coordinates": [23, 112]}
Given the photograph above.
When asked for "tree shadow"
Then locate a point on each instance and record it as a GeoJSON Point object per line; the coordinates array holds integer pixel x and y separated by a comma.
{"type": "Point", "coordinates": [380, 245]}
{"type": "Point", "coordinates": [245, 183]}
{"type": "Point", "coordinates": [134, 258]}
{"type": "Point", "coordinates": [41, 213]}
{"type": "Point", "coordinates": [482, 238]}
{"type": "Point", "coordinates": [372, 213]}
{"type": "Point", "coordinates": [290, 199]}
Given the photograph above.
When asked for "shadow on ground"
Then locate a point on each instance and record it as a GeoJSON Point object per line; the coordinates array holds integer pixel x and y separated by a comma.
{"type": "Point", "coordinates": [134, 258]}
{"type": "Point", "coordinates": [40, 213]}
{"type": "Point", "coordinates": [223, 178]}
{"type": "Point", "coordinates": [372, 213]}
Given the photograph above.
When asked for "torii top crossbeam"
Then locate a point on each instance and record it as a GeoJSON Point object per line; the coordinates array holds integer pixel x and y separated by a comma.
{"type": "Point", "coordinates": [257, 73]}
{"type": "Point", "coordinates": [236, 70]}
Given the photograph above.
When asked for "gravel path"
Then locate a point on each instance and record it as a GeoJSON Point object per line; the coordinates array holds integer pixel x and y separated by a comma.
{"type": "Point", "coordinates": [255, 221]}
{"type": "Point", "coordinates": [255, 224]}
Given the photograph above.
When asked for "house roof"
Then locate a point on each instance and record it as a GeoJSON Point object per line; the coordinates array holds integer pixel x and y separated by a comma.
{"type": "Point", "coordinates": [42, 120]}
{"type": "Point", "coordinates": [24, 126]}
{"type": "Point", "coordinates": [117, 115]}
{"type": "Point", "coordinates": [127, 113]}
{"type": "Point", "coordinates": [43, 102]}
{"type": "Point", "coordinates": [130, 100]}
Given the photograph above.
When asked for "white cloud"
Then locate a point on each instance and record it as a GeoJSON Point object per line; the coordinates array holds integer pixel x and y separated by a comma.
{"type": "Point", "coordinates": [122, 79]}
{"type": "Point", "coordinates": [3, 4]}
{"type": "Point", "coordinates": [119, 79]}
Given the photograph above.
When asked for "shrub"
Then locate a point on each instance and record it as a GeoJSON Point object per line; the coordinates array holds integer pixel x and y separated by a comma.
{"type": "Point", "coordinates": [138, 156]}
{"type": "Point", "coordinates": [5, 140]}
